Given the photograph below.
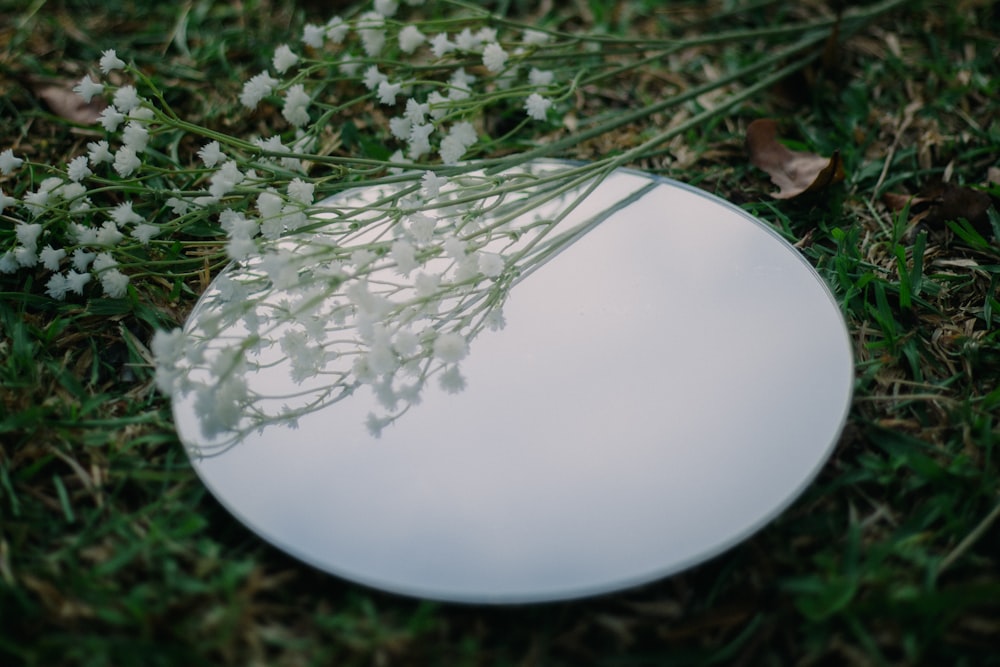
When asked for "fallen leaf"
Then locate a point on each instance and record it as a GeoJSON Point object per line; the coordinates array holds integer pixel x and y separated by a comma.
{"type": "Point", "coordinates": [951, 202]}
{"type": "Point", "coordinates": [794, 172]}
{"type": "Point", "coordinates": [938, 203]}
{"type": "Point", "coordinates": [896, 202]}
{"type": "Point", "coordinates": [62, 101]}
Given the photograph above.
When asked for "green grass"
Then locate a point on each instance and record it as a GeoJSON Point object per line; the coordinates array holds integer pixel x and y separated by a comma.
{"type": "Point", "coordinates": [113, 553]}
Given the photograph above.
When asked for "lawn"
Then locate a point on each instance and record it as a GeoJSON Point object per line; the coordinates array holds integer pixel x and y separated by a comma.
{"type": "Point", "coordinates": [112, 552]}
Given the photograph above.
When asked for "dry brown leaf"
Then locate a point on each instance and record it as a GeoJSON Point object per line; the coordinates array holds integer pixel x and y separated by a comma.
{"type": "Point", "coordinates": [951, 202]}
{"type": "Point", "coordinates": [939, 203]}
{"type": "Point", "coordinates": [794, 172]}
{"type": "Point", "coordinates": [62, 101]}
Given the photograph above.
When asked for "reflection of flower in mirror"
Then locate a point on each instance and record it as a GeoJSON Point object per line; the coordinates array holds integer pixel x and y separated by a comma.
{"type": "Point", "coordinates": [389, 289]}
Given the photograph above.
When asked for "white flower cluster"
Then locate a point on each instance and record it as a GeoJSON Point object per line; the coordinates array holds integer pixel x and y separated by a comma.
{"type": "Point", "coordinates": [381, 294]}
{"type": "Point", "coordinates": [437, 116]}
{"type": "Point", "coordinates": [95, 233]}
{"type": "Point", "coordinates": [379, 312]}
{"type": "Point", "coordinates": [389, 292]}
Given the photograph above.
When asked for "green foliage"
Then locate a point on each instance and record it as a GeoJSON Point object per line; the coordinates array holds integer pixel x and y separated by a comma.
{"type": "Point", "coordinates": [113, 553]}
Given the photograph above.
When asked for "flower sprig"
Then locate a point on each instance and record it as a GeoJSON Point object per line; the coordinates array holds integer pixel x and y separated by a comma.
{"type": "Point", "coordinates": [351, 271]}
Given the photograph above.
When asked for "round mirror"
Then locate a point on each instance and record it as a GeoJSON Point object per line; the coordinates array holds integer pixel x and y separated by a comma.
{"type": "Point", "coordinates": [662, 386]}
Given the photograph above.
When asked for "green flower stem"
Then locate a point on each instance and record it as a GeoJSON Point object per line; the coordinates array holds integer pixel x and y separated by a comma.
{"type": "Point", "coordinates": [703, 117]}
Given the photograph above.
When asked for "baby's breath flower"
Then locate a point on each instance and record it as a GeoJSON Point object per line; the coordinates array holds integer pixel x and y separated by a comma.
{"type": "Point", "coordinates": [451, 380]}
{"type": "Point", "coordinates": [486, 34]}
{"type": "Point", "coordinates": [97, 152]}
{"type": "Point", "coordinates": [244, 227]}
{"type": "Point", "coordinates": [126, 161]}
{"type": "Point", "coordinates": [450, 347]}
{"type": "Point", "coordinates": [126, 98]}
{"type": "Point", "coordinates": [70, 190]}
{"type": "Point", "coordinates": [6, 201]}
{"type": "Point", "coordinates": [537, 106]}
{"type": "Point", "coordinates": [441, 45]}
{"type": "Point", "coordinates": [225, 179]}
{"type": "Point", "coordinates": [400, 126]}
{"type": "Point", "coordinates": [75, 281]}
{"type": "Point", "coordinates": [87, 88]}
{"type": "Point", "coordinates": [397, 158]}
{"type": "Point", "coordinates": [431, 184]}
{"type": "Point", "coordinates": [452, 149]}
{"type": "Point", "coordinates": [271, 144]}
{"type": "Point", "coordinates": [336, 29]}
{"type": "Point", "coordinates": [373, 78]}
{"type": "Point", "coordinates": [494, 57]}
{"type": "Point", "coordinates": [136, 136]}
{"type": "Point", "coordinates": [82, 259]}
{"type": "Point", "coordinates": [27, 234]}
{"type": "Point", "coordinates": [104, 261]}
{"type": "Point", "coordinates": [410, 38]}
{"type": "Point", "coordinates": [211, 154]}
{"type": "Point", "coordinates": [376, 424]}
{"type": "Point", "coordinates": [110, 61]}
{"type": "Point", "coordinates": [301, 191]}
{"type": "Point", "coordinates": [313, 35]}
{"type": "Point", "coordinates": [406, 343]}
{"type": "Point", "coordinates": [495, 320]}
{"type": "Point", "coordinates": [115, 284]}
{"type": "Point", "coordinates": [419, 140]}
{"type": "Point", "coordinates": [256, 89]}
{"type": "Point", "coordinates": [426, 284]}
{"type": "Point", "coordinates": [454, 247]}
{"type": "Point", "coordinates": [284, 58]}
{"type": "Point", "coordinates": [241, 248]}
{"type": "Point", "coordinates": [36, 201]}
{"type": "Point", "coordinates": [77, 169]}
{"type": "Point", "coordinates": [467, 41]}
{"type": "Point", "coordinates": [111, 118]}
{"type": "Point", "coordinates": [8, 162]}
{"type": "Point", "coordinates": [296, 101]}
{"type": "Point", "coordinates": [57, 286]}
{"type": "Point", "coordinates": [540, 78]}
{"type": "Point", "coordinates": [124, 215]}
{"type": "Point", "coordinates": [144, 232]}
{"type": "Point", "coordinates": [371, 28]}
{"type": "Point", "coordinates": [465, 133]}
{"type": "Point", "coordinates": [141, 113]}
{"type": "Point", "coordinates": [83, 235]}
{"type": "Point", "coordinates": [437, 105]}
{"type": "Point", "coordinates": [53, 185]}
{"type": "Point", "coordinates": [8, 262]}
{"type": "Point", "coordinates": [108, 234]}
{"type": "Point", "coordinates": [387, 92]}
{"type": "Point", "coordinates": [349, 65]}
{"type": "Point", "coordinates": [405, 256]}
{"type": "Point", "coordinates": [269, 204]}
{"type": "Point", "coordinates": [535, 37]}
{"type": "Point", "coordinates": [386, 7]}
{"type": "Point", "coordinates": [26, 257]}
{"type": "Point", "coordinates": [50, 257]}
{"type": "Point", "coordinates": [178, 206]}
{"type": "Point", "coordinates": [416, 111]}
{"type": "Point", "coordinates": [490, 264]}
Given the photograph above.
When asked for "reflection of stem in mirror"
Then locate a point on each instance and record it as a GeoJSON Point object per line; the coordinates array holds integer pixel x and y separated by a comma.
{"type": "Point", "coordinates": [388, 290]}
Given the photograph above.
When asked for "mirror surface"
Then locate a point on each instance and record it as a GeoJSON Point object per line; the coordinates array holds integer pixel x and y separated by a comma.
{"type": "Point", "coordinates": [663, 387]}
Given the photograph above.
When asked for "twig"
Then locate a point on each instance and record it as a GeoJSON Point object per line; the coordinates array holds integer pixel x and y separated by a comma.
{"type": "Point", "coordinates": [969, 540]}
